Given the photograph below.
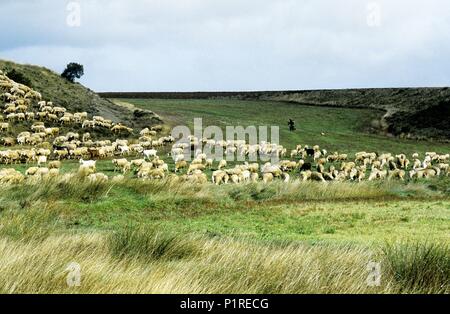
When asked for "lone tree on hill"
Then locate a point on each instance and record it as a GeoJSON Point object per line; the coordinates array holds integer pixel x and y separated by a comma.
{"type": "Point", "coordinates": [72, 71]}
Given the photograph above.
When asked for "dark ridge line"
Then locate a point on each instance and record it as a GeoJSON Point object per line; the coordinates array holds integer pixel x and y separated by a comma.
{"type": "Point", "coordinates": [257, 94]}
{"type": "Point", "coordinates": [277, 91]}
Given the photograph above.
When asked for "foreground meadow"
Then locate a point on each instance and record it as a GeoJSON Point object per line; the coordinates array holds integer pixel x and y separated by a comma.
{"type": "Point", "coordinates": [167, 237]}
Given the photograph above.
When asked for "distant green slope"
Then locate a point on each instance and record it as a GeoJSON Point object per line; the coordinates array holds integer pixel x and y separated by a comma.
{"type": "Point", "coordinates": [415, 113]}
{"type": "Point", "coordinates": [76, 98]}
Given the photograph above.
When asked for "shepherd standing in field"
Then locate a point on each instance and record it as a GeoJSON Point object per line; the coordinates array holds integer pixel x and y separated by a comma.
{"type": "Point", "coordinates": [291, 124]}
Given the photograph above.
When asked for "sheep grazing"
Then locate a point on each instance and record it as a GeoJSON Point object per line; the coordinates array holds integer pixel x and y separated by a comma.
{"type": "Point", "coordinates": [42, 160]}
{"type": "Point", "coordinates": [273, 169]}
{"type": "Point", "coordinates": [312, 175]}
{"type": "Point", "coordinates": [287, 165]}
{"type": "Point", "coordinates": [8, 141]}
{"type": "Point", "coordinates": [182, 164]}
{"type": "Point", "coordinates": [423, 173]}
{"type": "Point", "coordinates": [61, 154]}
{"type": "Point", "coordinates": [4, 127]}
{"type": "Point", "coordinates": [178, 158]}
{"type": "Point", "coordinates": [267, 177]}
{"type": "Point", "coordinates": [31, 171]}
{"type": "Point", "coordinates": [310, 152]}
{"type": "Point", "coordinates": [121, 165]}
{"type": "Point", "coordinates": [97, 177]}
{"type": "Point", "coordinates": [219, 177]}
{"type": "Point", "coordinates": [156, 174]}
{"type": "Point", "coordinates": [149, 153]}
{"type": "Point", "coordinates": [253, 168]}
{"type": "Point", "coordinates": [117, 163]}
{"type": "Point", "coordinates": [197, 161]}
{"type": "Point", "coordinates": [294, 153]}
{"type": "Point", "coordinates": [55, 164]}
{"type": "Point", "coordinates": [209, 163]}
{"type": "Point", "coordinates": [88, 124]}
{"type": "Point", "coordinates": [397, 174]}
{"type": "Point", "coordinates": [119, 128]}
{"type": "Point", "coordinates": [79, 117]}
{"type": "Point", "coordinates": [193, 167]}
{"type": "Point", "coordinates": [85, 171]}
{"type": "Point", "coordinates": [42, 172]}
{"type": "Point", "coordinates": [87, 167]}
{"type": "Point", "coordinates": [196, 177]}
{"type": "Point", "coordinates": [222, 164]}
{"type": "Point", "coordinates": [137, 162]}
{"type": "Point", "coordinates": [235, 179]}
{"type": "Point", "coordinates": [377, 174]}
{"type": "Point", "coordinates": [254, 176]}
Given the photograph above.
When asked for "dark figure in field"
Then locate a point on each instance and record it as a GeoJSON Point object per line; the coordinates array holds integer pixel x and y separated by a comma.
{"type": "Point", "coordinates": [291, 124]}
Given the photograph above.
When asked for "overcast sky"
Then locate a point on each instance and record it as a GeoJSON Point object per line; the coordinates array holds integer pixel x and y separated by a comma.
{"type": "Point", "coordinates": [207, 45]}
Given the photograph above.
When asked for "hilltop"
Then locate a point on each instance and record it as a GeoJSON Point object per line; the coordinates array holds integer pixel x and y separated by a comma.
{"type": "Point", "coordinates": [78, 98]}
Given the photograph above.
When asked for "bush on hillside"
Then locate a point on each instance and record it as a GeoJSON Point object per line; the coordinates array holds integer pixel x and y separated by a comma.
{"type": "Point", "coordinates": [18, 77]}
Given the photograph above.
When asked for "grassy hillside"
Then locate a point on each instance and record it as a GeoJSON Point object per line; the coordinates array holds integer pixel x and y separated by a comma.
{"type": "Point", "coordinates": [407, 112]}
{"type": "Point", "coordinates": [77, 98]}
{"type": "Point", "coordinates": [346, 129]}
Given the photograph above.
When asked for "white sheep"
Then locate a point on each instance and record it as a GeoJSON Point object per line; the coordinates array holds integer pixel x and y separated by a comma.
{"type": "Point", "coordinates": [150, 153]}
{"type": "Point", "coordinates": [88, 164]}
{"type": "Point", "coordinates": [42, 160]}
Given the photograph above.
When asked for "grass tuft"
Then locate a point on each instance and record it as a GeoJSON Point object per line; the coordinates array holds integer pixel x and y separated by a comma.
{"type": "Point", "coordinates": [147, 243]}
{"type": "Point", "coordinates": [423, 267]}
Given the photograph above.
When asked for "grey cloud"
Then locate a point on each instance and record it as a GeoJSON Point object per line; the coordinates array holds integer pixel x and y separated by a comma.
{"type": "Point", "coordinates": [235, 44]}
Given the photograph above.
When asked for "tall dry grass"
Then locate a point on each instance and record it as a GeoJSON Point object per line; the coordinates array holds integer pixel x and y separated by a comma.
{"type": "Point", "coordinates": [136, 260]}
{"type": "Point", "coordinates": [421, 267]}
{"type": "Point", "coordinates": [165, 265]}
{"type": "Point", "coordinates": [35, 251]}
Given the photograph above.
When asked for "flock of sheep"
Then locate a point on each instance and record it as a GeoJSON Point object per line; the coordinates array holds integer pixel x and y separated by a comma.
{"type": "Point", "coordinates": [47, 149]}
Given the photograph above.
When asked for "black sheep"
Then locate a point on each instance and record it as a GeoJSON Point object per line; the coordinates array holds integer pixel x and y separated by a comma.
{"type": "Point", "coordinates": [392, 165]}
{"type": "Point", "coordinates": [310, 152]}
{"type": "Point", "coordinates": [58, 147]}
{"type": "Point", "coordinates": [306, 166]}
